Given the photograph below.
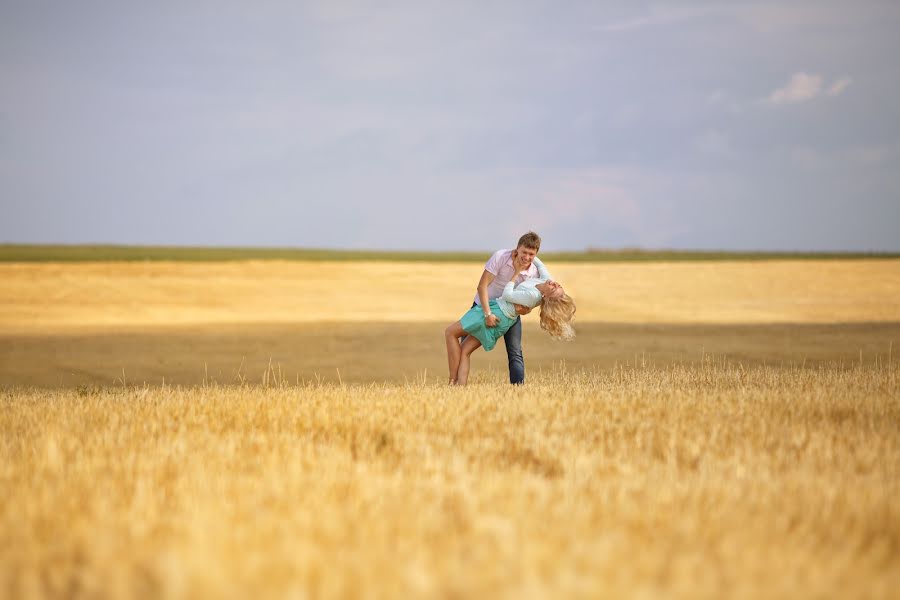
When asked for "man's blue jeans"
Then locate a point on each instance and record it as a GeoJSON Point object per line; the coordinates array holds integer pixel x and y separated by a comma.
{"type": "Point", "coordinates": [513, 341]}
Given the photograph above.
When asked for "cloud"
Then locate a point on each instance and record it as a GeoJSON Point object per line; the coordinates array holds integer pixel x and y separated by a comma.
{"type": "Point", "coordinates": [800, 88]}
{"type": "Point", "coordinates": [839, 86]}
{"type": "Point", "coordinates": [804, 87]}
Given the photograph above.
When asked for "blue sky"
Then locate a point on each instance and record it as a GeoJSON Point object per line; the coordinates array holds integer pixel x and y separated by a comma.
{"type": "Point", "coordinates": [435, 125]}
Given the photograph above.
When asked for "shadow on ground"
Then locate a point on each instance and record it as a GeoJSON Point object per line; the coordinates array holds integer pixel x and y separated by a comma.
{"type": "Point", "coordinates": [390, 352]}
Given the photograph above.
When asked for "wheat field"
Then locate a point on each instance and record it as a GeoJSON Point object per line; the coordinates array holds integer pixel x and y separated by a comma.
{"type": "Point", "coordinates": [716, 430]}
{"type": "Point", "coordinates": [41, 298]}
{"type": "Point", "coordinates": [700, 482]}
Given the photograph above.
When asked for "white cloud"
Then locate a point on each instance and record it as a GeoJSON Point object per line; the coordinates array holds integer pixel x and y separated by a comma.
{"type": "Point", "coordinates": [839, 86]}
{"type": "Point", "coordinates": [800, 88]}
{"type": "Point", "coordinates": [804, 87]}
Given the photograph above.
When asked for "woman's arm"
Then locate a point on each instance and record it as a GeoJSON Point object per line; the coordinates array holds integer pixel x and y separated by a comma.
{"type": "Point", "coordinates": [528, 297]}
{"type": "Point", "coordinates": [543, 273]}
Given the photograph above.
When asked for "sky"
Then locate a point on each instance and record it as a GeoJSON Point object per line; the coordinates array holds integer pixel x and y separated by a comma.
{"type": "Point", "coordinates": [452, 125]}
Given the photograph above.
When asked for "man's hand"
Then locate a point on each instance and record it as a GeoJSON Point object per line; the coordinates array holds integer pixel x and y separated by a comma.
{"type": "Point", "coordinates": [491, 320]}
{"type": "Point", "coordinates": [522, 310]}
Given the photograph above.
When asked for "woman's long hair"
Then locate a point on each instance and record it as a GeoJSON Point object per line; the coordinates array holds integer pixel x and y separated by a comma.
{"type": "Point", "coordinates": [556, 317]}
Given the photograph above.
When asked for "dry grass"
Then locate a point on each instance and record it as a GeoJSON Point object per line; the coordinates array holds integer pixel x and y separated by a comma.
{"type": "Point", "coordinates": [684, 478]}
{"type": "Point", "coordinates": [387, 352]}
{"type": "Point", "coordinates": [703, 481]}
{"type": "Point", "coordinates": [45, 298]}
{"type": "Point", "coordinates": [93, 323]}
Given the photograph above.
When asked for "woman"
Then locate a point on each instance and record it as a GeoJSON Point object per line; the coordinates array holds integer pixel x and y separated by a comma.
{"type": "Point", "coordinates": [557, 311]}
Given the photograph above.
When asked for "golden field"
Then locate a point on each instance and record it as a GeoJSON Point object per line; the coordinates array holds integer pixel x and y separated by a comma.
{"type": "Point", "coordinates": [695, 482]}
{"type": "Point", "coordinates": [723, 429]}
{"type": "Point", "coordinates": [74, 296]}
{"type": "Point", "coordinates": [84, 324]}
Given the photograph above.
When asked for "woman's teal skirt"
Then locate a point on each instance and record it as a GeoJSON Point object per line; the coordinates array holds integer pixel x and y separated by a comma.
{"type": "Point", "coordinates": [474, 325]}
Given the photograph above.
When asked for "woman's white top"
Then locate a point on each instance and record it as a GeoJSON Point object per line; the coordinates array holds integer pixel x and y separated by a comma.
{"type": "Point", "coordinates": [526, 294]}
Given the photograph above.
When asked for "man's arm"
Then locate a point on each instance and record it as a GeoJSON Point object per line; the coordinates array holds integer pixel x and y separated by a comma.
{"type": "Point", "coordinates": [486, 278]}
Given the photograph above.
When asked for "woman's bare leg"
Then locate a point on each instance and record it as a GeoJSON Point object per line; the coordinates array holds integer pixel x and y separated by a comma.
{"type": "Point", "coordinates": [452, 334]}
{"type": "Point", "coordinates": [468, 347]}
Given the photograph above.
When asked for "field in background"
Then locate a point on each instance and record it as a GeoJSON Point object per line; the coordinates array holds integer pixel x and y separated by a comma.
{"type": "Point", "coordinates": [71, 324]}
{"type": "Point", "coordinates": [716, 429]}
{"type": "Point", "coordinates": [48, 297]}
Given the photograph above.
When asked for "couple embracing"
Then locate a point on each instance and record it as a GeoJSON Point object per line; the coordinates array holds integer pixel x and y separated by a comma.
{"type": "Point", "coordinates": [513, 282]}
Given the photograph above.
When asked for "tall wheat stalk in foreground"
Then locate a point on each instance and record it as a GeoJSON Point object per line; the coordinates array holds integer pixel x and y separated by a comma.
{"type": "Point", "coordinates": [703, 481]}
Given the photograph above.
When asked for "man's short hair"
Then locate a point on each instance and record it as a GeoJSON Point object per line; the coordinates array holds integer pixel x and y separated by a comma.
{"type": "Point", "coordinates": [530, 240]}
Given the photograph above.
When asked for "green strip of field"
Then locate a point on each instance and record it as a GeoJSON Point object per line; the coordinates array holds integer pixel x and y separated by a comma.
{"type": "Point", "coordinates": [78, 253]}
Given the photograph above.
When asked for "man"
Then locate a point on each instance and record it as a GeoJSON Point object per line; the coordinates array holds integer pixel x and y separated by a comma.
{"type": "Point", "coordinates": [505, 266]}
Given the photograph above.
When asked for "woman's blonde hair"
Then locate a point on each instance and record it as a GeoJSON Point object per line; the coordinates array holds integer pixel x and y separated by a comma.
{"type": "Point", "coordinates": [557, 315]}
